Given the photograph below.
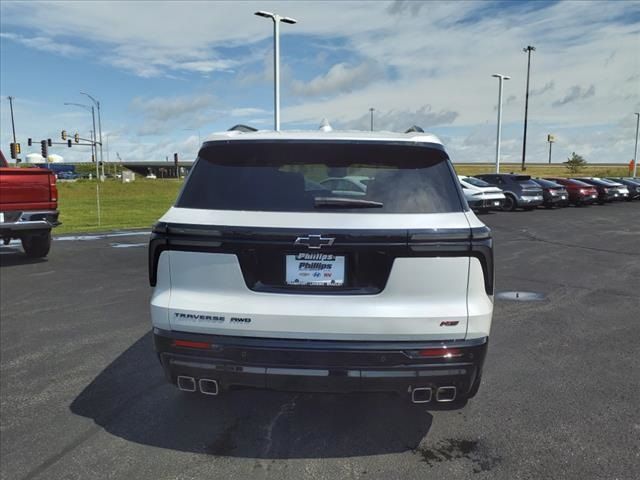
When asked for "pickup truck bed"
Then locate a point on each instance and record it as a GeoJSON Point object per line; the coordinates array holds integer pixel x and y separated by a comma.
{"type": "Point", "coordinates": [28, 207]}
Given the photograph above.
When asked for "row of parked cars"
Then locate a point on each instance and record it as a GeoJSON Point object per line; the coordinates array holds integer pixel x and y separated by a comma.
{"type": "Point", "coordinates": [494, 191]}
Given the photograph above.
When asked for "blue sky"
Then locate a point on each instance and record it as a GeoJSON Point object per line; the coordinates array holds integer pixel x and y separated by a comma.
{"type": "Point", "coordinates": [166, 72]}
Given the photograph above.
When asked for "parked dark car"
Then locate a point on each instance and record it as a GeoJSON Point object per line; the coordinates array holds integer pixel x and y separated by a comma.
{"type": "Point", "coordinates": [621, 190]}
{"type": "Point", "coordinates": [606, 193]}
{"type": "Point", "coordinates": [553, 194]}
{"type": "Point", "coordinates": [519, 190]}
{"type": "Point", "coordinates": [628, 187]}
{"type": "Point", "coordinates": [633, 184]}
{"type": "Point", "coordinates": [580, 193]}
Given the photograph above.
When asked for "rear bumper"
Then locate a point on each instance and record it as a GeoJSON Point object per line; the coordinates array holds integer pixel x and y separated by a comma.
{"type": "Point", "coordinates": [529, 201]}
{"type": "Point", "coordinates": [556, 200]}
{"type": "Point", "coordinates": [486, 203]}
{"type": "Point", "coordinates": [320, 366]}
{"type": "Point", "coordinates": [20, 223]}
{"type": "Point", "coordinates": [584, 199]}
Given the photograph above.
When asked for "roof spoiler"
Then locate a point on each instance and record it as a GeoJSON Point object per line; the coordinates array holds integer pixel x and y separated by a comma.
{"type": "Point", "coordinates": [415, 129]}
{"type": "Point", "coordinates": [242, 128]}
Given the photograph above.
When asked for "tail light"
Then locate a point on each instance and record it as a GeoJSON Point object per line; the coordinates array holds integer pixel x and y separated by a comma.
{"type": "Point", "coordinates": [436, 353]}
{"type": "Point", "coordinates": [191, 344]}
{"type": "Point", "coordinates": [53, 189]}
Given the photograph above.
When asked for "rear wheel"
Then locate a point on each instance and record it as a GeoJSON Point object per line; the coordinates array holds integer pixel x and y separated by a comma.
{"type": "Point", "coordinates": [509, 204]}
{"type": "Point", "coordinates": [37, 245]}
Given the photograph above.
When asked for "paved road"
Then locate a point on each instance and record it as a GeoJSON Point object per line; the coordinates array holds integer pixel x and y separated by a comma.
{"type": "Point", "coordinates": [83, 397]}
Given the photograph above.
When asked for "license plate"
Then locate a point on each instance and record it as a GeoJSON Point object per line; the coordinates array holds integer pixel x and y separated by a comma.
{"type": "Point", "coordinates": [564, 197]}
{"type": "Point", "coordinates": [495, 204]}
{"type": "Point", "coordinates": [315, 269]}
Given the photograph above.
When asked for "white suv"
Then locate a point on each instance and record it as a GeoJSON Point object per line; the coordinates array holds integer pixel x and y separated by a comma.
{"type": "Point", "coordinates": [480, 195]}
{"type": "Point", "coordinates": [265, 278]}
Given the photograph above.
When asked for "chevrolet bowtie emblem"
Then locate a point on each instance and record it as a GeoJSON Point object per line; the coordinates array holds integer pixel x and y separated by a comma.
{"type": "Point", "coordinates": [315, 241]}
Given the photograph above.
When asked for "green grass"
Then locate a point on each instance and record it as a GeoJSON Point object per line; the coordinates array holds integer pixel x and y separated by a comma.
{"type": "Point", "coordinates": [123, 205]}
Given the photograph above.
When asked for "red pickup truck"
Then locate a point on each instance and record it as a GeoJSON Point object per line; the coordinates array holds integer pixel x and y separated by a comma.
{"type": "Point", "coordinates": [28, 207]}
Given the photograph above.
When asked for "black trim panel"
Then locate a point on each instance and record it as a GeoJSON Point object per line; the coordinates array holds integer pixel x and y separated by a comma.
{"type": "Point", "coordinates": [382, 245]}
{"type": "Point", "coordinates": [319, 365]}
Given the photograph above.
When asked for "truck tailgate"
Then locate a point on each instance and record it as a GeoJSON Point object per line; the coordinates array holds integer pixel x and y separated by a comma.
{"type": "Point", "coordinates": [27, 189]}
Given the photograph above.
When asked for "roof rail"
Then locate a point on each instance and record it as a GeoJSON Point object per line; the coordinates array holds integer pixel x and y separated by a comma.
{"type": "Point", "coordinates": [242, 128]}
{"type": "Point", "coordinates": [415, 129]}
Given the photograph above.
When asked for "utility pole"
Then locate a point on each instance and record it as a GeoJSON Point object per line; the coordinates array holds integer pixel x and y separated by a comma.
{"type": "Point", "coordinates": [501, 79]}
{"type": "Point", "coordinates": [635, 153]}
{"type": "Point", "coordinates": [13, 125]}
{"type": "Point", "coordinates": [528, 50]}
{"type": "Point", "coordinates": [550, 139]}
{"type": "Point", "coordinates": [371, 110]}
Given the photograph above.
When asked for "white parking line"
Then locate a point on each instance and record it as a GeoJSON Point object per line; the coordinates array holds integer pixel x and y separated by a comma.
{"type": "Point", "coordinates": [100, 236]}
{"type": "Point", "coordinates": [128, 245]}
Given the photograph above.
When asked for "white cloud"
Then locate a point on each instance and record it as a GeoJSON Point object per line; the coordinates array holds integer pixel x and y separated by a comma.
{"type": "Point", "coordinates": [45, 44]}
{"type": "Point", "coordinates": [164, 108]}
{"type": "Point", "coordinates": [401, 120]}
{"type": "Point", "coordinates": [163, 114]}
{"type": "Point", "coordinates": [575, 93]}
{"type": "Point", "coordinates": [341, 77]}
{"type": "Point", "coordinates": [247, 112]}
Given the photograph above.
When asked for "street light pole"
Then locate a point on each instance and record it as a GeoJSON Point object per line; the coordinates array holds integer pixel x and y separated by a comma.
{"type": "Point", "coordinates": [635, 153]}
{"type": "Point", "coordinates": [97, 104]}
{"type": "Point", "coordinates": [528, 49]}
{"type": "Point", "coordinates": [276, 60]}
{"type": "Point", "coordinates": [13, 125]}
{"type": "Point", "coordinates": [371, 110]}
{"type": "Point", "coordinates": [501, 79]}
{"type": "Point", "coordinates": [93, 149]}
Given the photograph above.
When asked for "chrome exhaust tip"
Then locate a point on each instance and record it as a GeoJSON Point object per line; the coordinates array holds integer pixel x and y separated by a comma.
{"type": "Point", "coordinates": [208, 386]}
{"type": "Point", "coordinates": [446, 394]}
{"type": "Point", "coordinates": [421, 395]}
{"type": "Point", "coordinates": [186, 384]}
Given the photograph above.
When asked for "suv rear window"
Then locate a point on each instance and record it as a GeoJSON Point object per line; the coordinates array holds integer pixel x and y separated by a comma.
{"type": "Point", "coordinates": [322, 177]}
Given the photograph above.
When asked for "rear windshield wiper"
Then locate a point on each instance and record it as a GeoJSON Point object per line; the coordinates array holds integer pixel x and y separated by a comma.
{"type": "Point", "coordinates": [346, 202]}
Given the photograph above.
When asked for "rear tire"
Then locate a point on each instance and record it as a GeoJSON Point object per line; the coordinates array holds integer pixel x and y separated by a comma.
{"type": "Point", "coordinates": [509, 204]}
{"type": "Point", "coordinates": [37, 245]}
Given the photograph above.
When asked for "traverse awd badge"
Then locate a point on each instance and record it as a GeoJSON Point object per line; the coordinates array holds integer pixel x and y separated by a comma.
{"type": "Point", "coordinates": [314, 241]}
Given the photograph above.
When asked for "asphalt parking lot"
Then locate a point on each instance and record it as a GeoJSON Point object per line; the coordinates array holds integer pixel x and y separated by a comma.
{"type": "Point", "coordinates": [83, 397]}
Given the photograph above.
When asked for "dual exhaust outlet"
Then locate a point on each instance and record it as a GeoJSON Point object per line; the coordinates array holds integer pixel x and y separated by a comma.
{"type": "Point", "coordinates": [425, 394]}
{"type": "Point", "coordinates": [208, 386]}
{"type": "Point", "coordinates": [204, 385]}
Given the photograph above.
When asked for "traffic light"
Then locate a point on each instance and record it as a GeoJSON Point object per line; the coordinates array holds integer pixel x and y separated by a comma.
{"type": "Point", "coordinates": [14, 150]}
{"type": "Point", "coordinates": [29, 142]}
{"type": "Point", "coordinates": [76, 138]}
{"type": "Point", "coordinates": [49, 142]}
{"type": "Point", "coordinates": [63, 134]}
{"type": "Point", "coordinates": [69, 142]}
{"type": "Point", "coordinates": [44, 149]}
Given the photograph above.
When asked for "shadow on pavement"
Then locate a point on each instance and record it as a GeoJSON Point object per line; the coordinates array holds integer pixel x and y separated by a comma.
{"type": "Point", "coordinates": [12, 256]}
{"type": "Point", "coordinates": [132, 400]}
